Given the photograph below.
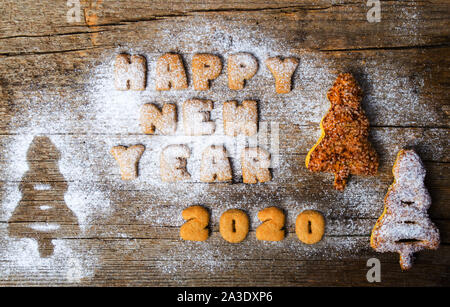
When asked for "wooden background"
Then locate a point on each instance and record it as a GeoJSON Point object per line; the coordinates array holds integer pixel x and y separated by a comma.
{"type": "Point", "coordinates": [41, 51]}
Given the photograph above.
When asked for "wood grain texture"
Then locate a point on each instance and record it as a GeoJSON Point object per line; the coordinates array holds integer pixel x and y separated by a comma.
{"type": "Point", "coordinates": [46, 60]}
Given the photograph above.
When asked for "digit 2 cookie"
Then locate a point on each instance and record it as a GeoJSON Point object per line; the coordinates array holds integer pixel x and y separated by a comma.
{"type": "Point", "coordinates": [195, 229]}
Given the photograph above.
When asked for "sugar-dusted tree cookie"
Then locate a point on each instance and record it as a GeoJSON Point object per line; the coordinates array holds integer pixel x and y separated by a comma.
{"type": "Point", "coordinates": [404, 227]}
{"type": "Point", "coordinates": [128, 158]}
{"type": "Point", "coordinates": [343, 147]}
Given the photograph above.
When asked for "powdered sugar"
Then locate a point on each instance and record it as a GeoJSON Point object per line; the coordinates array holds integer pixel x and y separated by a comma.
{"type": "Point", "coordinates": [85, 195]}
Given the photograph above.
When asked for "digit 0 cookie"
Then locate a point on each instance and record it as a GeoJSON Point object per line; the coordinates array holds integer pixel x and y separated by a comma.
{"type": "Point", "coordinates": [343, 147]}
{"type": "Point", "coordinates": [234, 225]}
{"type": "Point", "coordinates": [310, 226]}
{"type": "Point", "coordinates": [404, 226]}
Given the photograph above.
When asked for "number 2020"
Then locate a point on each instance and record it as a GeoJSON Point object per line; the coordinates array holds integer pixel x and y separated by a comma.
{"type": "Point", "coordinates": [234, 225]}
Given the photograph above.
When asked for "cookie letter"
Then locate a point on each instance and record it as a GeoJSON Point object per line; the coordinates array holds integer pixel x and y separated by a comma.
{"type": "Point", "coordinates": [196, 117]}
{"type": "Point", "coordinates": [170, 73]}
{"type": "Point", "coordinates": [404, 226]}
{"type": "Point", "coordinates": [255, 165]}
{"type": "Point", "coordinates": [310, 226]}
{"type": "Point", "coordinates": [240, 119]}
{"type": "Point", "coordinates": [165, 121]}
{"type": "Point", "coordinates": [215, 165]}
{"type": "Point", "coordinates": [197, 219]}
{"type": "Point", "coordinates": [282, 71]}
{"type": "Point", "coordinates": [271, 229]}
{"type": "Point", "coordinates": [241, 67]}
{"type": "Point", "coordinates": [130, 73]}
{"type": "Point", "coordinates": [128, 159]}
{"type": "Point", "coordinates": [173, 163]}
{"type": "Point", "coordinates": [233, 225]}
{"type": "Point", "coordinates": [205, 67]}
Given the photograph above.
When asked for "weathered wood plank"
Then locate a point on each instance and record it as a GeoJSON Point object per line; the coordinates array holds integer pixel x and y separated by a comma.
{"type": "Point", "coordinates": [56, 80]}
{"type": "Point", "coordinates": [145, 262]}
{"type": "Point", "coordinates": [337, 25]}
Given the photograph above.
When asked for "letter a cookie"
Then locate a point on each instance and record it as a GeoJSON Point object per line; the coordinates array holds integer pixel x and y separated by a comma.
{"type": "Point", "coordinates": [404, 226]}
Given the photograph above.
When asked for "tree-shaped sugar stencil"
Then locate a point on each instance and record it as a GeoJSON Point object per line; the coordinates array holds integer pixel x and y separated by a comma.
{"type": "Point", "coordinates": [42, 213]}
{"type": "Point", "coordinates": [344, 148]}
{"type": "Point", "coordinates": [404, 226]}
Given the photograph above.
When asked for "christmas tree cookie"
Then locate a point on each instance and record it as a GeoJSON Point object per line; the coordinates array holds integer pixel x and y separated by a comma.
{"type": "Point", "coordinates": [343, 147]}
{"type": "Point", "coordinates": [404, 227]}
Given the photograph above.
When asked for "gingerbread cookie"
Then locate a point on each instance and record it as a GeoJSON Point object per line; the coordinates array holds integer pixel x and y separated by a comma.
{"type": "Point", "coordinates": [173, 163]}
{"type": "Point", "coordinates": [196, 114]}
{"type": "Point", "coordinates": [255, 164]}
{"type": "Point", "coordinates": [234, 225]}
{"type": "Point", "coordinates": [165, 121]}
{"type": "Point", "coordinates": [343, 147]}
{"type": "Point", "coordinates": [271, 229]}
{"type": "Point", "coordinates": [241, 66]}
{"type": "Point", "coordinates": [130, 72]}
{"type": "Point", "coordinates": [240, 119]}
{"type": "Point", "coordinates": [282, 70]}
{"type": "Point", "coordinates": [128, 159]}
{"type": "Point", "coordinates": [170, 73]}
{"type": "Point", "coordinates": [195, 229]}
{"type": "Point", "coordinates": [310, 226]}
{"type": "Point", "coordinates": [205, 67]}
{"type": "Point", "coordinates": [215, 165]}
{"type": "Point", "coordinates": [404, 226]}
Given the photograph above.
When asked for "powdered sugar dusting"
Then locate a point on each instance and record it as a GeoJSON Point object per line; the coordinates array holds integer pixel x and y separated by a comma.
{"type": "Point", "coordinates": [86, 196]}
